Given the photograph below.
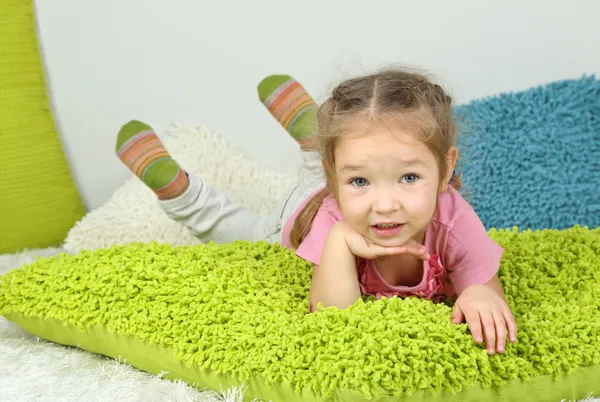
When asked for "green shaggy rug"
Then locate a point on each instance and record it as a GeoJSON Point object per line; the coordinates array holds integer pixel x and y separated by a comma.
{"type": "Point", "coordinates": [224, 315]}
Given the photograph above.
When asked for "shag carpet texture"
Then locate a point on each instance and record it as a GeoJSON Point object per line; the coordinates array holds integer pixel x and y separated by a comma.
{"type": "Point", "coordinates": [237, 313]}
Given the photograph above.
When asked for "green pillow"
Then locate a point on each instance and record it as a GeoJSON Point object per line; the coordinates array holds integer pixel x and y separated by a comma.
{"type": "Point", "coordinates": [227, 315]}
{"type": "Point", "coordinates": [39, 201]}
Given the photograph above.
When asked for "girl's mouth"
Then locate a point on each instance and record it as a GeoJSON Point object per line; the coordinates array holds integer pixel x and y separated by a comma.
{"type": "Point", "coordinates": [387, 229]}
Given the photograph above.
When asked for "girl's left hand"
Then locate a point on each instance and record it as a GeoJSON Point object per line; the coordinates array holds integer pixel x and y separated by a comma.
{"type": "Point", "coordinates": [485, 311]}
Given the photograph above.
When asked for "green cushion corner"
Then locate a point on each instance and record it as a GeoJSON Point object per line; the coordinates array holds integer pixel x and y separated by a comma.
{"type": "Point", "coordinates": [40, 201]}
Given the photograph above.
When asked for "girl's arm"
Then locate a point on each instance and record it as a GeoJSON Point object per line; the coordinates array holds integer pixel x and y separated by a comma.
{"type": "Point", "coordinates": [495, 285]}
{"type": "Point", "coordinates": [335, 281]}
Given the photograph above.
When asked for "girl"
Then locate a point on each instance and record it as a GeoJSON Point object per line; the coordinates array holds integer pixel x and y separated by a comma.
{"type": "Point", "coordinates": [385, 220]}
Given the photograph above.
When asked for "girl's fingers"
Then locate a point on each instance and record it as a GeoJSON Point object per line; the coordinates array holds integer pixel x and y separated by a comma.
{"type": "Point", "coordinates": [373, 250]}
{"type": "Point", "coordinates": [511, 325]}
{"type": "Point", "coordinates": [500, 331]}
{"type": "Point", "coordinates": [489, 331]}
{"type": "Point", "coordinates": [392, 250]}
{"type": "Point", "coordinates": [474, 323]}
{"type": "Point", "coordinates": [457, 315]}
{"type": "Point", "coordinates": [412, 242]}
{"type": "Point", "coordinates": [417, 250]}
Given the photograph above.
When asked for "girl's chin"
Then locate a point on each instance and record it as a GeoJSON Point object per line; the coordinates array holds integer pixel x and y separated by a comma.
{"type": "Point", "coordinates": [388, 242]}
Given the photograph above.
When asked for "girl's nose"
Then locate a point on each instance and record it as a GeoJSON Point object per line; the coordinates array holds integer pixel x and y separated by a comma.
{"type": "Point", "coordinates": [385, 202]}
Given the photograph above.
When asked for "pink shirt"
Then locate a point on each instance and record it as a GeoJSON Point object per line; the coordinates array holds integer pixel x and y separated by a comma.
{"type": "Point", "coordinates": [462, 253]}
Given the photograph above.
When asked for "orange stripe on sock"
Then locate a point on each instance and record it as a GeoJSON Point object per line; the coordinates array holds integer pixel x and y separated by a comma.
{"type": "Point", "coordinates": [283, 108]}
{"type": "Point", "coordinates": [143, 163]}
{"type": "Point", "coordinates": [279, 91]}
{"type": "Point", "coordinates": [281, 100]}
{"type": "Point", "coordinates": [141, 150]}
{"type": "Point", "coordinates": [295, 109]}
{"type": "Point", "coordinates": [175, 188]}
{"type": "Point", "coordinates": [133, 157]}
{"type": "Point", "coordinates": [129, 153]}
{"type": "Point", "coordinates": [289, 102]}
{"type": "Point", "coordinates": [293, 122]}
{"type": "Point", "coordinates": [299, 109]}
{"type": "Point", "coordinates": [134, 141]}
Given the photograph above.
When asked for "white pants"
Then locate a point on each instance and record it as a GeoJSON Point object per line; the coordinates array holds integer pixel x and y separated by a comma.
{"type": "Point", "coordinates": [210, 215]}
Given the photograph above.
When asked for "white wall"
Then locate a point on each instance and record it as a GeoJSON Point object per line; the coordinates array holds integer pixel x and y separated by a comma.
{"type": "Point", "coordinates": [198, 61]}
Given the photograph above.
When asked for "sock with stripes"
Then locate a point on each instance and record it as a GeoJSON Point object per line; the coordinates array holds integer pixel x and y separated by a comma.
{"type": "Point", "coordinates": [290, 104]}
{"type": "Point", "coordinates": [140, 149]}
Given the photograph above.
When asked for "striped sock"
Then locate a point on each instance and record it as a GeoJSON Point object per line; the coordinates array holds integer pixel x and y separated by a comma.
{"type": "Point", "coordinates": [144, 154]}
{"type": "Point", "coordinates": [290, 104]}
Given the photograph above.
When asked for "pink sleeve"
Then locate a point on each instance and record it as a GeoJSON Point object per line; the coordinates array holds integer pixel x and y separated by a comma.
{"type": "Point", "coordinates": [472, 257]}
{"type": "Point", "coordinates": [312, 246]}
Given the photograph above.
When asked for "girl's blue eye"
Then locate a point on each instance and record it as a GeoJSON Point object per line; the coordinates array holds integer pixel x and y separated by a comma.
{"type": "Point", "coordinates": [409, 178]}
{"type": "Point", "coordinates": [359, 182]}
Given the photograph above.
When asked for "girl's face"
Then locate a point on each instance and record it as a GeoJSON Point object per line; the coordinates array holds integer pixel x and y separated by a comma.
{"type": "Point", "coordinates": [387, 185]}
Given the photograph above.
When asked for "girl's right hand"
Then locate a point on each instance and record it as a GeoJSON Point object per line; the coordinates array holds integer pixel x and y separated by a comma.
{"type": "Point", "coordinates": [363, 247]}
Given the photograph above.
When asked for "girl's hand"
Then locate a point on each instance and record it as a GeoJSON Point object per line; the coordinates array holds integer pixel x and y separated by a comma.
{"type": "Point", "coordinates": [486, 311]}
{"type": "Point", "coordinates": [335, 280]}
{"type": "Point", "coordinates": [362, 247]}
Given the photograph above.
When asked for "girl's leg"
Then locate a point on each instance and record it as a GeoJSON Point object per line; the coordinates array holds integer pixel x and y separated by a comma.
{"type": "Point", "coordinates": [186, 198]}
{"type": "Point", "coordinates": [290, 104]}
{"type": "Point", "coordinates": [140, 149]}
{"type": "Point", "coordinates": [210, 215]}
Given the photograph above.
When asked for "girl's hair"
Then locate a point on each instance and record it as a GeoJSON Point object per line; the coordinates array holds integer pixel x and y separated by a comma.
{"type": "Point", "coordinates": [393, 98]}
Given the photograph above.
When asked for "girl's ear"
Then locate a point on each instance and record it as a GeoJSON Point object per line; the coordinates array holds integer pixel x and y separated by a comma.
{"type": "Point", "coordinates": [451, 158]}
